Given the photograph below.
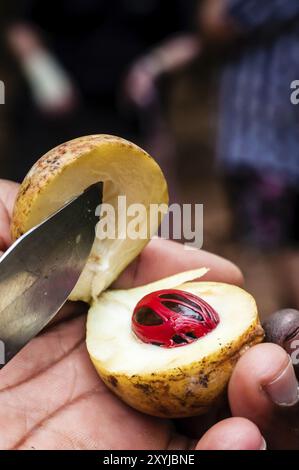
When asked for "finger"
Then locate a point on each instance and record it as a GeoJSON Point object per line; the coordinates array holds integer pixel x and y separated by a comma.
{"type": "Point", "coordinates": [5, 238]}
{"type": "Point", "coordinates": [263, 377]}
{"type": "Point", "coordinates": [264, 389]}
{"type": "Point", "coordinates": [162, 258]}
{"type": "Point", "coordinates": [232, 434]}
{"type": "Point", "coordinates": [8, 193]}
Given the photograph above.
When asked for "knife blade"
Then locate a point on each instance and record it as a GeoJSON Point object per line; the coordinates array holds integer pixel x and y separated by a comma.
{"type": "Point", "coordinates": [39, 271]}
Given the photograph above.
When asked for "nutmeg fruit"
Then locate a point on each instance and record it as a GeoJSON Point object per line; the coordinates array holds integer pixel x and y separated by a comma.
{"type": "Point", "coordinates": [179, 381]}
{"type": "Point", "coordinates": [181, 365]}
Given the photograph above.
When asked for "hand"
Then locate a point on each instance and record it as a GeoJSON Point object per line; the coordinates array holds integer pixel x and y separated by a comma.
{"type": "Point", "coordinates": [52, 398]}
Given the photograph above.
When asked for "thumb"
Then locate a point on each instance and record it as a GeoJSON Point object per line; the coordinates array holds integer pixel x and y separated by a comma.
{"type": "Point", "coordinates": [263, 388]}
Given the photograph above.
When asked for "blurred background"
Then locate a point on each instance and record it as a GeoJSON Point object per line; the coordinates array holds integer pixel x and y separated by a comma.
{"type": "Point", "coordinates": [204, 86]}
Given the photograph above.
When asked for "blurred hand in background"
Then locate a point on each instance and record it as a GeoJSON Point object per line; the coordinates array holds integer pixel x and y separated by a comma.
{"type": "Point", "coordinates": [51, 86]}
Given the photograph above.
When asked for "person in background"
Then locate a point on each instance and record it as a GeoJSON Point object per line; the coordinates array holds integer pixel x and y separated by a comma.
{"type": "Point", "coordinates": [259, 125]}
{"type": "Point", "coordinates": [82, 63]}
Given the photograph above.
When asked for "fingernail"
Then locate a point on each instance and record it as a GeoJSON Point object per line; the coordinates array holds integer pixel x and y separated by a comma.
{"type": "Point", "coordinates": [283, 390]}
{"type": "Point", "coordinates": [263, 444]}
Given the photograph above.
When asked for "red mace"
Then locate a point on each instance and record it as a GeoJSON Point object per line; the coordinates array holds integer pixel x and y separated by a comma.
{"type": "Point", "coordinates": [171, 318]}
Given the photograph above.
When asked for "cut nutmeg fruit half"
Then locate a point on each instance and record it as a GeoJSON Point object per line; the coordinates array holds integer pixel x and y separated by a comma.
{"type": "Point", "coordinates": [167, 348]}
{"type": "Point", "coordinates": [66, 171]}
{"type": "Point", "coordinates": [172, 381]}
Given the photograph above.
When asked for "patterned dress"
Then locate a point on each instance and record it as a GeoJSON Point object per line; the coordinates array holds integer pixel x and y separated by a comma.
{"type": "Point", "coordinates": [259, 125]}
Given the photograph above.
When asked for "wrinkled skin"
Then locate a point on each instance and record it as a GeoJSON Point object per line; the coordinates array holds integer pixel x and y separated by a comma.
{"type": "Point", "coordinates": [52, 398]}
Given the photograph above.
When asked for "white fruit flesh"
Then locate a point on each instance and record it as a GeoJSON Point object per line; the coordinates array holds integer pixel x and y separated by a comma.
{"type": "Point", "coordinates": [111, 342]}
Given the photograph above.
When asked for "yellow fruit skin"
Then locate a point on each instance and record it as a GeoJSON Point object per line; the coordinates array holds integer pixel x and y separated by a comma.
{"type": "Point", "coordinates": [53, 163]}
{"type": "Point", "coordinates": [68, 170]}
{"type": "Point", "coordinates": [187, 391]}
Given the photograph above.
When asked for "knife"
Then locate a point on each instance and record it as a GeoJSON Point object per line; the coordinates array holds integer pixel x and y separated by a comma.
{"type": "Point", "coordinates": [39, 271]}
